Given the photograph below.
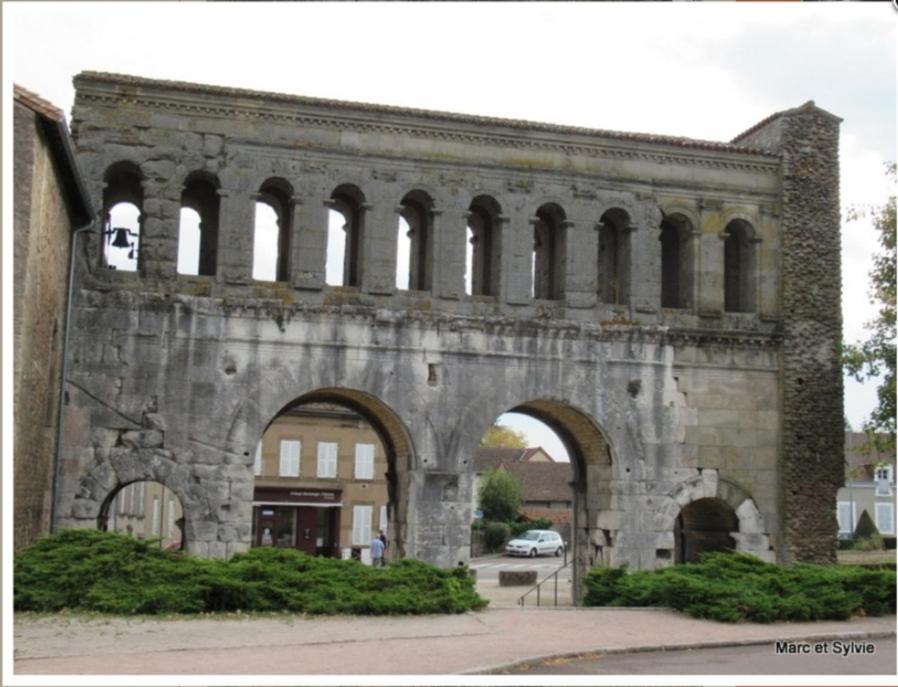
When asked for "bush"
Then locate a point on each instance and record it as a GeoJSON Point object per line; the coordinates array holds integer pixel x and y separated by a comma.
{"type": "Point", "coordinates": [872, 542]}
{"type": "Point", "coordinates": [495, 535]}
{"type": "Point", "coordinates": [500, 496]}
{"type": "Point", "coordinates": [111, 573]}
{"type": "Point", "coordinates": [732, 587]}
{"type": "Point", "coordinates": [865, 526]}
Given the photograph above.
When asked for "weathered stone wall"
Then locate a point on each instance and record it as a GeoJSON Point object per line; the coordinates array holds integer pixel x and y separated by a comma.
{"type": "Point", "coordinates": [41, 234]}
{"type": "Point", "coordinates": [813, 436]}
{"type": "Point", "coordinates": [175, 378]}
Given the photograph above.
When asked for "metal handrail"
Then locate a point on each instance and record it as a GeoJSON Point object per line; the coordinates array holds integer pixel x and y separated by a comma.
{"type": "Point", "coordinates": [539, 584]}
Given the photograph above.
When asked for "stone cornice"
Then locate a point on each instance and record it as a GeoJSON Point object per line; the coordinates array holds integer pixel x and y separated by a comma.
{"type": "Point", "coordinates": [114, 90]}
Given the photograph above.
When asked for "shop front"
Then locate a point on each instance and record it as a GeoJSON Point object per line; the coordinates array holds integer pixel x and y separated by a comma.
{"type": "Point", "coordinates": [299, 518]}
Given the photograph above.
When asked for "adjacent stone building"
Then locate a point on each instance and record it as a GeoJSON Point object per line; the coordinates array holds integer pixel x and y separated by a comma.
{"type": "Point", "coordinates": [49, 204]}
{"type": "Point", "coordinates": [669, 306]}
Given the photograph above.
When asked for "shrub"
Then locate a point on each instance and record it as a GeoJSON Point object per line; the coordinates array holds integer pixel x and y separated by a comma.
{"type": "Point", "coordinates": [90, 570]}
{"type": "Point", "coordinates": [872, 542]}
{"type": "Point", "coordinates": [865, 526]}
{"type": "Point", "coordinates": [733, 587]}
{"type": "Point", "coordinates": [523, 523]}
{"type": "Point", "coordinates": [500, 496]}
{"type": "Point", "coordinates": [495, 535]}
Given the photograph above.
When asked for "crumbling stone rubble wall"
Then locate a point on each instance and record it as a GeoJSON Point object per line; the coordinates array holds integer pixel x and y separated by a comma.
{"type": "Point", "coordinates": [175, 377]}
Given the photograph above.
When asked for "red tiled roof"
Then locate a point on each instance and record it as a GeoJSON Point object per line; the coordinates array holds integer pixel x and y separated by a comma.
{"type": "Point", "coordinates": [37, 104]}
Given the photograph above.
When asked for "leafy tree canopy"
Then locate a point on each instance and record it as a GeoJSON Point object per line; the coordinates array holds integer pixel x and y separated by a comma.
{"type": "Point", "coordinates": [875, 357]}
{"type": "Point", "coordinates": [500, 496]}
{"type": "Point", "coordinates": [500, 436]}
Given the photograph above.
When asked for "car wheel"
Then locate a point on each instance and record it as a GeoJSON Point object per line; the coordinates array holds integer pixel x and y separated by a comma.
{"type": "Point", "coordinates": [559, 551]}
{"type": "Point", "coordinates": [532, 553]}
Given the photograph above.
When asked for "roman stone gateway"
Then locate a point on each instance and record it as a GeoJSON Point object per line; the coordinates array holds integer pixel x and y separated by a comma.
{"type": "Point", "coordinates": [670, 306]}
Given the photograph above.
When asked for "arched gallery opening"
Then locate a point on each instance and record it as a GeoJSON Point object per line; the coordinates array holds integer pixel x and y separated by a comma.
{"type": "Point", "coordinates": [703, 526]}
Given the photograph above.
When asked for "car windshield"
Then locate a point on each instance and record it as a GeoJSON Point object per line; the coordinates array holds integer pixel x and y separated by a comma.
{"type": "Point", "coordinates": [530, 535]}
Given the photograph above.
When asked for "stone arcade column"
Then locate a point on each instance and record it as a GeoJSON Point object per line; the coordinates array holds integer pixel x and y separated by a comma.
{"type": "Point", "coordinates": [582, 251]}
{"type": "Point", "coordinates": [645, 263]}
{"type": "Point", "coordinates": [309, 240]}
{"type": "Point", "coordinates": [158, 247]}
{"type": "Point", "coordinates": [709, 274]}
{"type": "Point", "coordinates": [450, 239]}
{"type": "Point", "coordinates": [517, 255]}
{"type": "Point", "coordinates": [380, 224]}
{"type": "Point", "coordinates": [813, 435]}
{"type": "Point", "coordinates": [235, 245]}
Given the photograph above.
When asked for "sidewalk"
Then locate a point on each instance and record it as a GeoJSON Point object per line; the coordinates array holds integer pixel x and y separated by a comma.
{"type": "Point", "coordinates": [429, 645]}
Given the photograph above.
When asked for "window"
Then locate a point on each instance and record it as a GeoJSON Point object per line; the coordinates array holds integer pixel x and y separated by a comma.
{"type": "Point", "coordinates": [344, 239]}
{"type": "Point", "coordinates": [156, 523]}
{"type": "Point", "coordinates": [845, 514]}
{"type": "Point", "coordinates": [549, 252]}
{"type": "Point", "coordinates": [613, 268]}
{"type": "Point", "coordinates": [883, 477]}
{"type": "Point", "coordinates": [123, 216]}
{"type": "Point", "coordinates": [289, 463]}
{"type": "Point", "coordinates": [364, 461]}
{"type": "Point", "coordinates": [198, 231]}
{"type": "Point", "coordinates": [257, 463]}
{"type": "Point", "coordinates": [885, 518]}
{"type": "Point", "coordinates": [739, 267]}
{"type": "Point", "coordinates": [361, 525]}
{"type": "Point", "coordinates": [676, 262]}
{"type": "Point", "coordinates": [416, 213]}
{"type": "Point", "coordinates": [327, 459]}
{"type": "Point", "coordinates": [482, 255]}
{"type": "Point", "coordinates": [171, 516]}
{"type": "Point", "coordinates": [383, 518]}
{"type": "Point", "coordinates": [271, 238]}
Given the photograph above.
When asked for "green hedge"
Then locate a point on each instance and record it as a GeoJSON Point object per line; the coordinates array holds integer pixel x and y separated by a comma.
{"type": "Point", "coordinates": [111, 573]}
{"type": "Point", "coordinates": [733, 587]}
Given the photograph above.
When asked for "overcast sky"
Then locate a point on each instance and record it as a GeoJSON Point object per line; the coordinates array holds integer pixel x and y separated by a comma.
{"type": "Point", "coordinates": [704, 70]}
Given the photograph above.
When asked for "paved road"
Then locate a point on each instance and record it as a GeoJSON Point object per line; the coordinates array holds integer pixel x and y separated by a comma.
{"type": "Point", "coordinates": [488, 567]}
{"type": "Point", "coordinates": [738, 660]}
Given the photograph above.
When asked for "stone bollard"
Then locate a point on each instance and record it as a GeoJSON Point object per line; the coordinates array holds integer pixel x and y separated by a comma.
{"type": "Point", "coordinates": [516, 578]}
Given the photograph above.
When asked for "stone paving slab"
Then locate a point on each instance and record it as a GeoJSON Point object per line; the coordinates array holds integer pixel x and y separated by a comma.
{"type": "Point", "coordinates": [428, 645]}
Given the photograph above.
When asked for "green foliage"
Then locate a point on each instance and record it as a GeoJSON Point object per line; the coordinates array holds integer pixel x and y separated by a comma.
{"type": "Point", "coordinates": [734, 587]}
{"type": "Point", "coordinates": [500, 496]}
{"type": "Point", "coordinates": [875, 357]}
{"type": "Point", "coordinates": [500, 436]}
{"type": "Point", "coordinates": [873, 542]}
{"type": "Point", "coordinates": [111, 573]}
{"type": "Point", "coordinates": [495, 535]}
{"type": "Point", "coordinates": [865, 527]}
{"type": "Point", "coordinates": [523, 523]}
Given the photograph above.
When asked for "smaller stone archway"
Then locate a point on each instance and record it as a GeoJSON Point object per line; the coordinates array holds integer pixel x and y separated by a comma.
{"type": "Point", "coordinates": [703, 507]}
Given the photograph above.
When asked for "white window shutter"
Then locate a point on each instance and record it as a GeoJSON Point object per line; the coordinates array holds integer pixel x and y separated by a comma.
{"type": "Point", "coordinates": [327, 459]}
{"type": "Point", "coordinates": [885, 518]}
{"type": "Point", "coordinates": [289, 459]}
{"type": "Point", "coordinates": [364, 461]}
{"type": "Point", "coordinates": [257, 463]}
{"type": "Point", "coordinates": [843, 515]}
{"type": "Point", "coordinates": [361, 525]}
{"type": "Point", "coordinates": [383, 518]}
{"type": "Point", "coordinates": [155, 515]}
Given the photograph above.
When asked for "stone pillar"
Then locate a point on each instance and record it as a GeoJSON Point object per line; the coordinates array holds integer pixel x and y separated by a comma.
{"type": "Point", "coordinates": [309, 242]}
{"type": "Point", "coordinates": [813, 435]}
{"type": "Point", "coordinates": [378, 255]}
{"type": "Point", "coordinates": [158, 246]}
{"type": "Point", "coordinates": [517, 257]}
{"type": "Point", "coordinates": [709, 268]}
{"type": "Point", "coordinates": [645, 264]}
{"type": "Point", "coordinates": [450, 239]}
{"type": "Point", "coordinates": [236, 227]}
{"type": "Point", "coordinates": [582, 245]}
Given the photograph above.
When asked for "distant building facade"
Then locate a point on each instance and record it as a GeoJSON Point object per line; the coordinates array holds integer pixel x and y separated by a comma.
{"type": "Point", "coordinates": [869, 486]}
{"type": "Point", "coordinates": [49, 204]}
{"type": "Point", "coordinates": [320, 483]}
{"type": "Point", "coordinates": [148, 510]}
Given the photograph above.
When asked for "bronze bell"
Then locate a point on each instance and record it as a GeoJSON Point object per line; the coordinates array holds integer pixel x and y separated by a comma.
{"type": "Point", "coordinates": [121, 238]}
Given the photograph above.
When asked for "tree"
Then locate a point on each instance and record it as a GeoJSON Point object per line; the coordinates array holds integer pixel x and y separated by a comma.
{"type": "Point", "coordinates": [500, 496]}
{"type": "Point", "coordinates": [500, 436]}
{"type": "Point", "coordinates": [875, 357]}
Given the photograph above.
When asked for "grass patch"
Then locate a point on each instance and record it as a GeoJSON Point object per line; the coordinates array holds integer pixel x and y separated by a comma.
{"type": "Point", "coordinates": [735, 587]}
{"type": "Point", "coordinates": [110, 573]}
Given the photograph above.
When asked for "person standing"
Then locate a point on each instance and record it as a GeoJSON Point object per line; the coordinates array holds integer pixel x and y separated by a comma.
{"type": "Point", "coordinates": [377, 552]}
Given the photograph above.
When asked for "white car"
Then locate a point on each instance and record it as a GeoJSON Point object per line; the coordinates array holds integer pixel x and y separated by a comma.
{"type": "Point", "coordinates": [535, 543]}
